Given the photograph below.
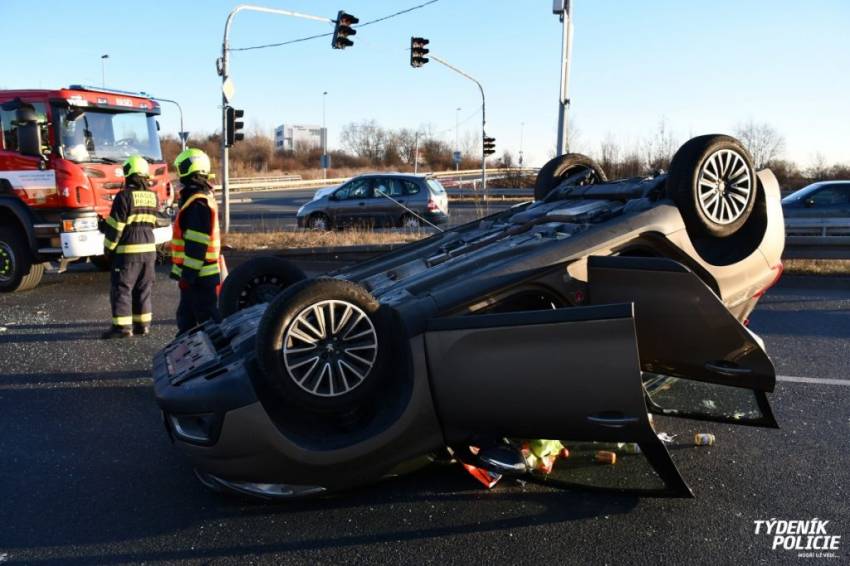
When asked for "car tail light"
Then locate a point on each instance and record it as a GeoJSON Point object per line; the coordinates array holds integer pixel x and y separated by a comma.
{"type": "Point", "coordinates": [779, 268]}
{"type": "Point", "coordinates": [432, 206]}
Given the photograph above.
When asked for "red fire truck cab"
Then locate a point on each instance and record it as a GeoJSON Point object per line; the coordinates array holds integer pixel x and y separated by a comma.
{"type": "Point", "coordinates": [61, 156]}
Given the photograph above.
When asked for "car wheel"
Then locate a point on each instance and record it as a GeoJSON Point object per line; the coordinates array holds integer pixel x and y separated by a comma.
{"type": "Point", "coordinates": [258, 280]}
{"type": "Point", "coordinates": [319, 221]}
{"type": "Point", "coordinates": [559, 169]}
{"type": "Point", "coordinates": [324, 344]}
{"type": "Point", "coordinates": [17, 270]}
{"type": "Point", "coordinates": [713, 182]}
{"type": "Point", "coordinates": [410, 222]}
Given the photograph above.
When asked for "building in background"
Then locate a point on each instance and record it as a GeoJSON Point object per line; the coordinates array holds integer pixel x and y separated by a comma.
{"type": "Point", "coordinates": [287, 137]}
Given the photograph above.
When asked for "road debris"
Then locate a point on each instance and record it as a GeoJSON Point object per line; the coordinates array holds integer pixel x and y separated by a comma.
{"type": "Point", "coordinates": [629, 447]}
{"type": "Point", "coordinates": [606, 457]}
{"type": "Point", "coordinates": [667, 438]}
{"type": "Point", "coordinates": [704, 439]}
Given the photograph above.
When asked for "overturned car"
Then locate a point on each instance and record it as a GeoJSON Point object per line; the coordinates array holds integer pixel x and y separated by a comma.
{"type": "Point", "coordinates": [559, 318]}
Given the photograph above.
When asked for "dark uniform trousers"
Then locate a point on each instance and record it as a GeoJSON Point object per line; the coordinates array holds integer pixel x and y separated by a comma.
{"type": "Point", "coordinates": [198, 303]}
{"type": "Point", "coordinates": [131, 291]}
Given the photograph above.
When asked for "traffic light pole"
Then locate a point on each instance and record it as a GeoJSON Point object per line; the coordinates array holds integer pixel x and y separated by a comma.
{"type": "Point", "coordinates": [223, 71]}
{"type": "Point", "coordinates": [564, 100]}
{"type": "Point", "coordinates": [483, 116]}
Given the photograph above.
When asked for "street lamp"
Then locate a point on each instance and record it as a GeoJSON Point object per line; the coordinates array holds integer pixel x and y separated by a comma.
{"type": "Point", "coordinates": [521, 128]}
{"type": "Point", "coordinates": [324, 138]}
{"type": "Point", "coordinates": [563, 9]}
{"type": "Point", "coordinates": [457, 145]}
{"type": "Point", "coordinates": [103, 59]}
{"type": "Point", "coordinates": [182, 134]}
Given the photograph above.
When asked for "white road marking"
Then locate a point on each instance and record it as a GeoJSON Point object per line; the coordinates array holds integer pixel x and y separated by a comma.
{"type": "Point", "coordinates": [818, 380]}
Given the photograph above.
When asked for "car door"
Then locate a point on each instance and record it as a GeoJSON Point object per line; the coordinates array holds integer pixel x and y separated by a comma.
{"type": "Point", "coordinates": [389, 204]}
{"type": "Point", "coordinates": [352, 209]}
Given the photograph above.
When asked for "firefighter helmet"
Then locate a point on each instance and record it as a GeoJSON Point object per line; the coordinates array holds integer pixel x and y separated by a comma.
{"type": "Point", "coordinates": [136, 165]}
{"type": "Point", "coordinates": [192, 161]}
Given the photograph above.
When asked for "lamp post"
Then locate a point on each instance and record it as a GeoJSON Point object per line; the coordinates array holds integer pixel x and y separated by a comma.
{"type": "Point", "coordinates": [182, 134]}
{"type": "Point", "coordinates": [324, 138]}
{"type": "Point", "coordinates": [103, 59]}
{"type": "Point", "coordinates": [563, 9]}
{"type": "Point", "coordinates": [457, 145]}
{"type": "Point", "coordinates": [521, 128]}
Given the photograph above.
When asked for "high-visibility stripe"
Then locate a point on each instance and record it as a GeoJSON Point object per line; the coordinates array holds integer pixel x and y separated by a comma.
{"type": "Point", "coordinates": [144, 317]}
{"type": "Point", "coordinates": [141, 219]}
{"type": "Point", "coordinates": [109, 244]}
{"type": "Point", "coordinates": [211, 269]}
{"type": "Point", "coordinates": [193, 263]}
{"type": "Point", "coordinates": [122, 320]}
{"type": "Point", "coordinates": [177, 270]}
{"type": "Point", "coordinates": [115, 224]}
{"type": "Point", "coordinates": [177, 243]}
{"type": "Point", "coordinates": [135, 248]}
{"type": "Point", "coordinates": [195, 236]}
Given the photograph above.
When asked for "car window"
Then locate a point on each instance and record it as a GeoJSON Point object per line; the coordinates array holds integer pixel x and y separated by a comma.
{"type": "Point", "coordinates": [436, 187]}
{"type": "Point", "coordinates": [384, 185]}
{"type": "Point", "coordinates": [360, 189]}
{"type": "Point", "coordinates": [9, 125]}
{"type": "Point", "coordinates": [410, 188]}
{"type": "Point", "coordinates": [834, 195]}
{"type": "Point", "coordinates": [342, 192]}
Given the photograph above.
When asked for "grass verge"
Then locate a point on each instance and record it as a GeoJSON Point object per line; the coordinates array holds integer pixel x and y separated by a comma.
{"type": "Point", "coordinates": [831, 267]}
{"type": "Point", "coordinates": [315, 239]}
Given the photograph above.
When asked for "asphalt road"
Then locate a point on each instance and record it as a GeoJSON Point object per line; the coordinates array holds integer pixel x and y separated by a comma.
{"type": "Point", "coordinates": [87, 474]}
{"type": "Point", "coordinates": [268, 211]}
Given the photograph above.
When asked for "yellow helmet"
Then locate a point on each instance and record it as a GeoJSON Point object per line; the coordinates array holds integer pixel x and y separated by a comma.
{"type": "Point", "coordinates": [136, 165]}
{"type": "Point", "coordinates": [192, 161]}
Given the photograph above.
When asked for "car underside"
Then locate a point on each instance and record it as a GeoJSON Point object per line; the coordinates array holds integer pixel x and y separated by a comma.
{"type": "Point", "coordinates": [560, 318]}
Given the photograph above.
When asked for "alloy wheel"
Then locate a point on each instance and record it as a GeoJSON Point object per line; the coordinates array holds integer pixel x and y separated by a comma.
{"type": "Point", "coordinates": [724, 186]}
{"type": "Point", "coordinates": [330, 348]}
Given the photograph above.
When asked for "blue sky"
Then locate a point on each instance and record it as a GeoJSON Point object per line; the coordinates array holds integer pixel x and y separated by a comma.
{"type": "Point", "coordinates": [701, 66]}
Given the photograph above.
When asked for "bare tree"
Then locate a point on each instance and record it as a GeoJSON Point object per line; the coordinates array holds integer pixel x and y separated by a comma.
{"type": "Point", "coordinates": [365, 139]}
{"type": "Point", "coordinates": [764, 143]}
{"type": "Point", "coordinates": [659, 149]}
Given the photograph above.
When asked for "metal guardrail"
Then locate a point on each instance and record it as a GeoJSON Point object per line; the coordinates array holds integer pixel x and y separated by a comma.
{"type": "Point", "coordinates": [817, 238]}
{"type": "Point", "coordinates": [235, 181]}
{"type": "Point", "coordinates": [248, 184]}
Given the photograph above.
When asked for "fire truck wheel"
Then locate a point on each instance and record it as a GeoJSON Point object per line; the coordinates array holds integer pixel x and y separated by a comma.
{"type": "Point", "coordinates": [17, 270]}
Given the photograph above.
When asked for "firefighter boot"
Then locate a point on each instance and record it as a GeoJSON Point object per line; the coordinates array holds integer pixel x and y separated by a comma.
{"type": "Point", "coordinates": [116, 332]}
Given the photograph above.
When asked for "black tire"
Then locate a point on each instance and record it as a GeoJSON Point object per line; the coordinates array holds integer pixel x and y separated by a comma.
{"type": "Point", "coordinates": [319, 221]}
{"type": "Point", "coordinates": [409, 222]}
{"type": "Point", "coordinates": [691, 187]}
{"type": "Point", "coordinates": [301, 377]}
{"type": "Point", "coordinates": [556, 170]}
{"type": "Point", "coordinates": [258, 280]}
{"type": "Point", "coordinates": [18, 272]}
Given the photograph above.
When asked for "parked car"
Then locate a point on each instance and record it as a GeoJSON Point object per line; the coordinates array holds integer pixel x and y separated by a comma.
{"type": "Point", "coordinates": [569, 317]}
{"type": "Point", "coordinates": [379, 200]}
{"type": "Point", "coordinates": [826, 199]}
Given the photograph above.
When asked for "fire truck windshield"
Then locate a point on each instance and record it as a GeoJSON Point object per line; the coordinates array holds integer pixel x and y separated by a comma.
{"type": "Point", "coordinates": [95, 135]}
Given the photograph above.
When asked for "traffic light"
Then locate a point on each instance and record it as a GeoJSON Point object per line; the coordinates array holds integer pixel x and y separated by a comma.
{"type": "Point", "coordinates": [233, 133]}
{"type": "Point", "coordinates": [418, 51]}
{"type": "Point", "coordinates": [343, 29]}
{"type": "Point", "coordinates": [489, 145]}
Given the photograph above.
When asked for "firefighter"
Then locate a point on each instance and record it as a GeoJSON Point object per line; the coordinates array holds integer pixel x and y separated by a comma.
{"type": "Point", "coordinates": [129, 241]}
{"type": "Point", "coordinates": [196, 245]}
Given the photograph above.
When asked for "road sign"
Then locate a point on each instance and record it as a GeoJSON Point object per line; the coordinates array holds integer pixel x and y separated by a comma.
{"type": "Point", "coordinates": [228, 89]}
{"type": "Point", "coordinates": [183, 136]}
{"type": "Point", "coordinates": [456, 157]}
{"type": "Point", "coordinates": [326, 161]}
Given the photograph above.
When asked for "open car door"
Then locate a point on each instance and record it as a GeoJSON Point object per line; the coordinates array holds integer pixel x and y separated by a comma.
{"type": "Point", "coordinates": [564, 374]}
{"type": "Point", "coordinates": [698, 360]}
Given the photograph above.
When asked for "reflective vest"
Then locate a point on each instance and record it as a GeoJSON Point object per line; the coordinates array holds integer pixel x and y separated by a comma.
{"type": "Point", "coordinates": [205, 263]}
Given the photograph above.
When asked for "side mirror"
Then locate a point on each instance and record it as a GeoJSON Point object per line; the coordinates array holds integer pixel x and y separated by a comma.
{"type": "Point", "coordinates": [809, 202]}
{"type": "Point", "coordinates": [74, 115]}
{"type": "Point", "coordinates": [333, 196]}
{"type": "Point", "coordinates": [29, 139]}
{"type": "Point", "coordinates": [157, 125]}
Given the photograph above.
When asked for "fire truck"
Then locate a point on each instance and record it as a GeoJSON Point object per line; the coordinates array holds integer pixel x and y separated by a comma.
{"type": "Point", "coordinates": [61, 156]}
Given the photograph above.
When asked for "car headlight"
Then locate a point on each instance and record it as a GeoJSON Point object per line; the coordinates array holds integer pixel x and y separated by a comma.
{"type": "Point", "coordinates": [85, 224]}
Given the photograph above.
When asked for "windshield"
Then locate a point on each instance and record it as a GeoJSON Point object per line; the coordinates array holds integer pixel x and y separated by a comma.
{"type": "Point", "coordinates": [104, 136]}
